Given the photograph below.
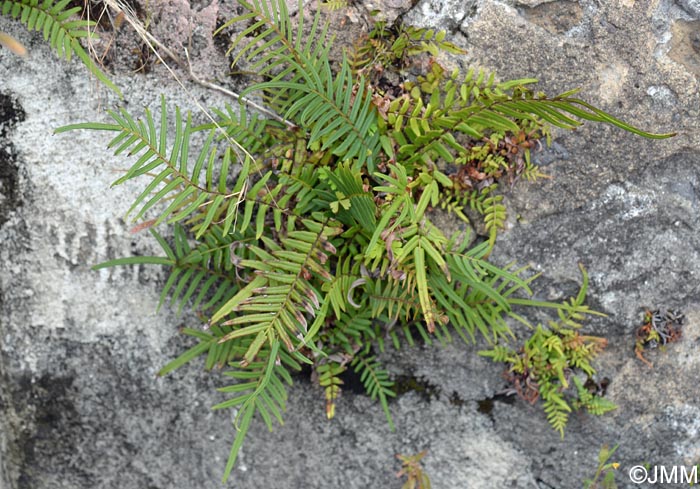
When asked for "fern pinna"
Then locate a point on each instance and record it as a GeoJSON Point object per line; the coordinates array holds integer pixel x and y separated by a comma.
{"type": "Point", "coordinates": [311, 242]}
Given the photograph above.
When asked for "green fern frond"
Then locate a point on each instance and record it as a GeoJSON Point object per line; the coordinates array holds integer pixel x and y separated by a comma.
{"type": "Point", "coordinates": [204, 270]}
{"type": "Point", "coordinates": [594, 404]}
{"type": "Point", "coordinates": [60, 28]}
{"type": "Point", "coordinates": [598, 406]}
{"type": "Point", "coordinates": [555, 110]}
{"type": "Point", "coordinates": [460, 199]}
{"type": "Point", "coordinates": [260, 385]}
{"type": "Point", "coordinates": [513, 101]}
{"type": "Point", "coordinates": [494, 216]}
{"type": "Point", "coordinates": [328, 378]}
{"type": "Point", "coordinates": [557, 411]}
{"type": "Point", "coordinates": [468, 309]}
{"type": "Point", "coordinates": [349, 332]}
{"type": "Point", "coordinates": [264, 393]}
{"type": "Point", "coordinates": [335, 110]}
{"type": "Point", "coordinates": [477, 107]}
{"type": "Point", "coordinates": [353, 204]}
{"type": "Point", "coordinates": [376, 382]}
{"type": "Point", "coordinates": [199, 200]}
{"type": "Point", "coordinates": [268, 36]}
{"type": "Point", "coordinates": [499, 353]}
{"type": "Point", "coordinates": [393, 299]}
{"type": "Point", "coordinates": [471, 267]}
{"type": "Point", "coordinates": [276, 303]}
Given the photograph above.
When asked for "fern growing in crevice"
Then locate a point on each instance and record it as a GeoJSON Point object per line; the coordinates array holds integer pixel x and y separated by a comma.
{"type": "Point", "coordinates": [312, 243]}
{"type": "Point", "coordinates": [543, 367]}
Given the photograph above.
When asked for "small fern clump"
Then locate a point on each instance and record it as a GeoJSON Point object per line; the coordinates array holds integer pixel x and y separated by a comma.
{"type": "Point", "coordinates": [307, 238]}
{"type": "Point", "coordinates": [396, 48]}
{"type": "Point", "coordinates": [544, 366]}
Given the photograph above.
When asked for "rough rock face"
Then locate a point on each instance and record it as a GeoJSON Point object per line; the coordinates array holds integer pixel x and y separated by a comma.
{"type": "Point", "coordinates": [80, 406]}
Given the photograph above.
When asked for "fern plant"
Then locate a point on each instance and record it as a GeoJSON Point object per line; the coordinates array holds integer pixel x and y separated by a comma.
{"type": "Point", "coordinates": [550, 359]}
{"type": "Point", "coordinates": [308, 238]}
{"type": "Point", "coordinates": [60, 28]}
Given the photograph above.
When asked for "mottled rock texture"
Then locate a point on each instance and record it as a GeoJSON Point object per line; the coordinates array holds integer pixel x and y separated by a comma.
{"type": "Point", "coordinates": [81, 407]}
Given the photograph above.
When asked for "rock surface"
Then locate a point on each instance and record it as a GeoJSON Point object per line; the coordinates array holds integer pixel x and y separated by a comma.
{"type": "Point", "coordinates": [80, 406]}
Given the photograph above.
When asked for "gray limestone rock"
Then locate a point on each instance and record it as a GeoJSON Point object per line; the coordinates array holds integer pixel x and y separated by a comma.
{"type": "Point", "coordinates": [81, 407]}
{"type": "Point", "coordinates": [691, 6]}
{"type": "Point", "coordinates": [441, 14]}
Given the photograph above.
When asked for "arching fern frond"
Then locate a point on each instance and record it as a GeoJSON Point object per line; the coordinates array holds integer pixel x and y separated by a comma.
{"type": "Point", "coordinates": [423, 123]}
{"type": "Point", "coordinates": [263, 393]}
{"type": "Point", "coordinates": [60, 28]}
{"type": "Point", "coordinates": [277, 302]}
{"type": "Point", "coordinates": [259, 387]}
{"type": "Point", "coordinates": [200, 192]}
{"type": "Point", "coordinates": [335, 110]}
